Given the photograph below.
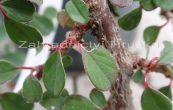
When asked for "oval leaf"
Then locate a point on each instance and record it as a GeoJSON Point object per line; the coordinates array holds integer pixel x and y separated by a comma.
{"type": "Point", "coordinates": [166, 91]}
{"type": "Point", "coordinates": [50, 12]}
{"type": "Point", "coordinates": [151, 34]}
{"type": "Point", "coordinates": [78, 11]}
{"type": "Point", "coordinates": [11, 101]}
{"type": "Point", "coordinates": [8, 71]}
{"type": "Point", "coordinates": [164, 4]}
{"type": "Point", "coordinates": [54, 74]}
{"type": "Point", "coordinates": [148, 5]}
{"type": "Point", "coordinates": [34, 94]}
{"type": "Point", "coordinates": [98, 98]}
{"type": "Point", "coordinates": [76, 102]}
{"type": "Point", "coordinates": [131, 20]}
{"type": "Point", "coordinates": [22, 34]}
{"type": "Point", "coordinates": [43, 24]}
{"type": "Point", "coordinates": [101, 67]}
{"type": "Point", "coordinates": [19, 10]}
{"type": "Point", "coordinates": [138, 76]}
{"type": "Point", "coordinates": [154, 100]}
{"type": "Point", "coordinates": [167, 53]}
{"type": "Point", "coordinates": [51, 102]}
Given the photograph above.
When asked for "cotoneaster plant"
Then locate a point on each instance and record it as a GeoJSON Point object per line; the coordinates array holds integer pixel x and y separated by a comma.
{"type": "Point", "coordinates": [110, 65]}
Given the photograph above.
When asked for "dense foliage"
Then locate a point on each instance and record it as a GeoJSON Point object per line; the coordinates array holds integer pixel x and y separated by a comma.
{"type": "Point", "coordinates": [22, 24]}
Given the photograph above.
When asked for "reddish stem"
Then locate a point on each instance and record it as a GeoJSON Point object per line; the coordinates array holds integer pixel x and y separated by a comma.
{"type": "Point", "coordinates": [26, 68]}
{"type": "Point", "coordinates": [151, 65]}
{"type": "Point", "coordinates": [167, 21]}
{"type": "Point", "coordinates": [32, 69]}
{"type": "Point", "coordinates": [146, 79]}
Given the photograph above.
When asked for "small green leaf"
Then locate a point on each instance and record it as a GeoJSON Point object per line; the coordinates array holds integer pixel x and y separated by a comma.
{"type": "Point", "coordinates": [54, 74]}
{"type": "Point", "coordinates": [50, 12]}
{"type": "Point", "coordinates": [166, 91]}
{"type": "Point", "coordinates": [167, 53]}
{"type": "Point", "coordinates": [8, 71]}
{"type": "Point", "coordinates": [53, 102]}
{"type": "Point", "coordinates": [148, 5]}
{"type": "Point", "coordinates": [98, 98]}
{"type": "Point", "coordinates": [67, 60]}
{"type": "Point", "coordinates": [32, 91]}
{"type": "Point", "coordinates": [11, 101]}
{"type": "Point", "coordinates": [76, 102]}
{"type": "Point", "coordinates": [22, 33]}
{"type": "Point", "coordinates": [131, 20]}
{"type": "Point", "coordinates": [138, 76]}
{"type": "Point", "coordinates": [166, 5]}
{"type": "Point", "coordinates": [43, 24]}
{"type": "Point", "coordinates": [101, 67]}
{"type": "Point", "coordinates": [154, 100]}
{"type": "Point", "coordinates": [151, 34]}
{"type": "Point", "coordinates": [19, 10]}
{"type": "Point", "coordinates": [78, 11]}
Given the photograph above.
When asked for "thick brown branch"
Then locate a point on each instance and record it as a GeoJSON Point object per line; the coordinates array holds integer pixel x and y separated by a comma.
{"type": "Point", "coordinates": [105, 27]}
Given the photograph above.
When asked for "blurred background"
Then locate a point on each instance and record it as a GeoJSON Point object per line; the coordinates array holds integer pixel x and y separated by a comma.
{"type": "Point", "coordinates": [77, 80]}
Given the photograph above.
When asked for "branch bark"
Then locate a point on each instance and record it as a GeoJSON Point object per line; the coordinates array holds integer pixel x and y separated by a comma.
{"type": "Point", "coordinates": [105, 27]}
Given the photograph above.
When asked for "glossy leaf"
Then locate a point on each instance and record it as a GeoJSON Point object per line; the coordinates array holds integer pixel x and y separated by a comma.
{"type": "Point", "coordinates": [164, 4]}
{"type": "Point", "coordinates": [76, 102]}
{"type": "Point", "coordinates": [8, 71]}
{"type": "Point", "coordinates": [22, 33]}
{"type": "Point", "coordinates": [78, 11]}
{"type": "Point", "coordinates": [52, 102]}
{"type": "Point", "coordinates": [19, 10]}
{"type": "Point", "coordinates": [11, 101]}
{"type": "Point", "coordinates": [54, 74]}
{"type": "Point", "coordinates": [98, 98]}
{"type": "Point", "coordinates": [101, 67]}
{"type": "Point", "coordinates": [166, 91]}
{"type": "Point", "coordinates": [138, 76]}
{"type": "Point", "coordinates": [50, 12]}
{"type": "Point", "coordinates": [65, 20]}
{"type": "Point", "coordinates": [151, 34]}
{"type": "Point", "coordinates": [43, 24]}
{"type": "Point", "coordinates": [131, 20]}
{"type": "Point", "coordinates": [154, 100]}
{"type": "Point", "coordinates": [167, 53]}
{"type": "Point", "coordinates": [148, 5]}
{"type": "Point", "coordinates": [32, 91]}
